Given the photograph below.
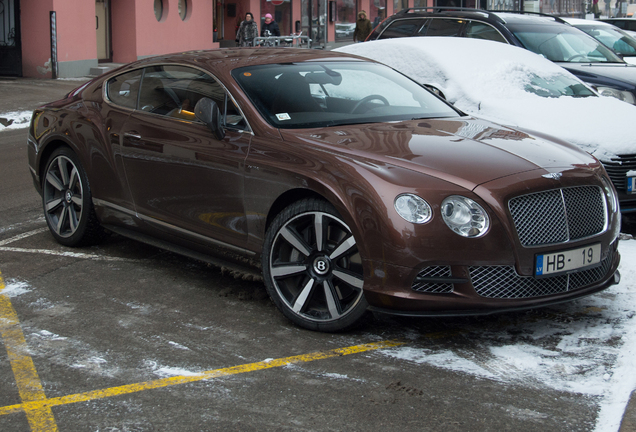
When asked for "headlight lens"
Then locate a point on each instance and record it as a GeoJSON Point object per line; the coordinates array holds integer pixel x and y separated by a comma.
{"type": "Point", "coordinates": [625, 96]}
{"type": "Point", "coordinates": [612, 199]}
{"type": "Point", "coordinates": [465, 217]}
{"type": "Point", "coordinates": [413, 208]}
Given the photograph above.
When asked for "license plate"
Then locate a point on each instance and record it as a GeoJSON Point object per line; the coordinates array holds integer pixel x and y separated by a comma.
{"type": "Point", "coordinates": [567, 261]}
{"type": "Point", "coordinates": [631, 185]}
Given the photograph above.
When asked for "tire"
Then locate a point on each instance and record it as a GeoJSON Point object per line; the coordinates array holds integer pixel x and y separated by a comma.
{"type": "Point", "coordinates": [316, 284]}
{"type": "Point", "coordinates": [67, 202]}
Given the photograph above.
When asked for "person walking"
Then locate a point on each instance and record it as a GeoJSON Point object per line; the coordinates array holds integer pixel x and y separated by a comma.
{"type": "Point", "coordinates": [247, 32]}
{"type": "Point", "coordinates": [269, 26]}
{"type": "Point", "coordinates": [363, 27]}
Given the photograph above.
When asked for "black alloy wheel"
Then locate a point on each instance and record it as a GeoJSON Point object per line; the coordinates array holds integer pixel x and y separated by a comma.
{"type": "Point", "coordinates": [312, 267]}
{"type": "Point", "coordinates": [67, 202]}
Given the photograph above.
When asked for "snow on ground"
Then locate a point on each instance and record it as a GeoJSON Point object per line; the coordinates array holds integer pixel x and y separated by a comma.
{"type": "Point", "coordinates": [490, 80]}
{"type": "Point", "coordinates": [15, 120]}
{"type": "Point", "coordinates": [593, 352]}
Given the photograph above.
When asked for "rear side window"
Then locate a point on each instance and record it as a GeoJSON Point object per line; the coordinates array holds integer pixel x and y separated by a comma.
{"type": "Point", "coordinates": [174, 91]}
{"type": "Point", "coordinates": [123, 89]}
{"type": "Point", "coordinates": [479, 30]}
{"type": "Point", "coordinates": [402, 28]}
{"type": "Point", "coordinates": [444, 27]}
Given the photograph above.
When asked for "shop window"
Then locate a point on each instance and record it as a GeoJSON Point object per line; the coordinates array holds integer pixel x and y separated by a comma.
{"type": "Point", "coordinates": [347, 17]}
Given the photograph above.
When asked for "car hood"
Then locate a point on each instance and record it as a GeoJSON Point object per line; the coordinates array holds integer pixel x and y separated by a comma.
{"type": "Point", "coordinates": [465, 151]}
{"type": "Point", "coordinates": [625, 73]}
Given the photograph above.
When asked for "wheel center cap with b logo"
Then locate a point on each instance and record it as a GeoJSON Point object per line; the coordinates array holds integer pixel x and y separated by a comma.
{"type": "Point", "coordinates": [68, 196]}
{"type": "Point", "coordinates": [321, 265]}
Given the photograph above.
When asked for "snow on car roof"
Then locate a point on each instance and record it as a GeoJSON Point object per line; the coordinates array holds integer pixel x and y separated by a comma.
{"type": "Point", "coordinates": [488, 79]}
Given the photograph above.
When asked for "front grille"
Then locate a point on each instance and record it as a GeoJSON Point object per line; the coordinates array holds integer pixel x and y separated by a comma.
{"type": "Point", "coordinates": [430, 280]}
{"type": "Point", "coordinates": [617, 169]}
{"type": "Point", "coordinates": [503, 282]}
{"type": "Point", "coordinates": [558, 215]}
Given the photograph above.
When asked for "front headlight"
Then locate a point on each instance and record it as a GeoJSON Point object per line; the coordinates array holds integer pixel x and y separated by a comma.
{"type": "Point", "coordinates": [465, 217]}
{"type": "Point", "coordinates": [612, 199]}
{"type": "Point", "coordinates": [413, 208]}
{"type": "Point", "coordinates": [625, 96]}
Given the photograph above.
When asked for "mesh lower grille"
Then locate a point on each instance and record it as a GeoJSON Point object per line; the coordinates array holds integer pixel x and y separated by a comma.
{"type": "Point", "coordinates": [433, 287]}
{"type": "Point", "coordinates": [503, 281]}
{"type": "Point", "coordinates": [558, 215]}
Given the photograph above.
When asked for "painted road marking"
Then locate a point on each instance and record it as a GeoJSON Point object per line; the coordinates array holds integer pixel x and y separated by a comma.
{"type": "Point", "coordinates": [67, 254]}
{"type": "Point", "coordinates": [40, 417]}
{"type": "Point", "coordinates": [22, 236]}
{"type": "Point", "coordinates": [37, 405]}
{"type": "Point", "coordinates": [4, 248]}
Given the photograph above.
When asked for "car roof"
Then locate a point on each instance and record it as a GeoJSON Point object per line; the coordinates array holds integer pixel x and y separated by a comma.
{"type": "Point", "coordinates": [496, 16]}
{"type": "Point", "coordinates": [232, 58]}
{"type": "Point", "coordinates": [580, 21]}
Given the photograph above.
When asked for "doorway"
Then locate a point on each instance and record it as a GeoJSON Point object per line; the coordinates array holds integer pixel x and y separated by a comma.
{"type": "Point", "coordinates": [10, 42]}
{"type": "Point", "coordinates": [102, 27]}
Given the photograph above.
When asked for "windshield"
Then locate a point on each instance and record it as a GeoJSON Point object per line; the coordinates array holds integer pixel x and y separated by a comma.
{"type": "Point", "coordinates": [564, 44]}
{"type": "Point", "coordinates": [556, 86]}
{"type": "Point", "coordinates": [612, 38]}
{"type": "Point", "coordinates": [311, 94]}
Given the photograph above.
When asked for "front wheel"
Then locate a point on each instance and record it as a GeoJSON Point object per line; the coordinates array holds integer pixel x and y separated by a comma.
{"type": "Point", "coordinates": [312, 267]}
{"type": "Point", "coordinates": [67, 202]}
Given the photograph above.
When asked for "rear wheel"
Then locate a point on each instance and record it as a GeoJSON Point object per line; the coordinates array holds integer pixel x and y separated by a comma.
{"type": "Point", "coordinates": [67, 202]}
{"type": "Point", "coordinates": [312, 267]}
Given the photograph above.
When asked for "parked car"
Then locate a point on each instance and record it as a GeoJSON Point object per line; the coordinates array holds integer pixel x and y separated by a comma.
{"type": "Point", "coordinates": [516, 87]}
{"type": "Point", "coordinates": [548, 36]}
{"type": "Point", "coordinates": [612, 37]}
{"type": "Point", "coordinates": [626, 24]}
{"type": "Point", "coordinates": [351, 186]}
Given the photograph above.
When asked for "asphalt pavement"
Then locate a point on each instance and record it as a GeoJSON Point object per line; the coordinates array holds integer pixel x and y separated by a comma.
{"type": "Point", "coordinates": [22, 94]}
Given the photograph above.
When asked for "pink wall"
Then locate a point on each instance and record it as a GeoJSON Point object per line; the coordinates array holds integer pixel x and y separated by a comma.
{"type": "Point", "coordinates": [173, 34]}
{"type": "Point", "coordinates": [36, 47]}
{"type": "Point", "coordinates": [124, 34]}
{"type": "Point", "coordinates": [76, 36]}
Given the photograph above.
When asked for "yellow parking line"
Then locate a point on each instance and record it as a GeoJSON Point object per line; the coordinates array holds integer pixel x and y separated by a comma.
{"type": "Point", "coordinates": [216, 373]}
{"type": "Point", "coordinates": [40, 417]}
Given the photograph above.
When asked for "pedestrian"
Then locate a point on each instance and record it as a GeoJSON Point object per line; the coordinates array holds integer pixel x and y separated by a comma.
{"type": "Point", "coordinates": [363, 27]}
{"type": "Point", "coordinates": [269, 26]}
{"type": "Point", "coordinates": [247, 32]}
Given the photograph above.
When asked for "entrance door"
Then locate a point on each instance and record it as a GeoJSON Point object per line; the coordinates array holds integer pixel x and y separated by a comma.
{"type": "Point", "coordinates": [102, 26]}
{"type": "Point", "coordinates": [10, 46]}
{"type": "Point", "coordinates": [316, 27]}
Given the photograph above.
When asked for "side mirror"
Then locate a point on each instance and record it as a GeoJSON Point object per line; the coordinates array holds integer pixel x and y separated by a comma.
{"type": "Point", "coordinates": [207, 111]}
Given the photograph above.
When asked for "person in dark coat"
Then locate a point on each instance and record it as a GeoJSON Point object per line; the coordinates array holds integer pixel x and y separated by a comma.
{"type": "Point", "coordinates": [269, 26]}
{"type": "Point", "coordinates": [248, 30]}
{"type": "Point", "coordinates": [363, 27]}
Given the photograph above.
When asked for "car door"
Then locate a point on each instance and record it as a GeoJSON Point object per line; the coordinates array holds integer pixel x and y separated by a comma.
{"type": "Point", "coordinates": [183, 180]}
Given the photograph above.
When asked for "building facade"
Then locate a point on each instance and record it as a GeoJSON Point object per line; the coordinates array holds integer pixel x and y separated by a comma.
{"type": "Point", "coordinates": [66, 38]}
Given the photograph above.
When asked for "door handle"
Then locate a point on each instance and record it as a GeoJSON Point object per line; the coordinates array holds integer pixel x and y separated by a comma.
{"type": "Point", "coordinates": [132, 135]}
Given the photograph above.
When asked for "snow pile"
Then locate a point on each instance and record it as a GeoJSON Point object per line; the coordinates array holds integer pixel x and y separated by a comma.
{"type": "Point", "coordinates": [15, 120]}
{"type": "Point", "coordinates": [488, 79]}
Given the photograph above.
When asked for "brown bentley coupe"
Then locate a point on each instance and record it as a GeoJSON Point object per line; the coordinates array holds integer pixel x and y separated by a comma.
{"type": "Point", "coordinates": [349, 186]}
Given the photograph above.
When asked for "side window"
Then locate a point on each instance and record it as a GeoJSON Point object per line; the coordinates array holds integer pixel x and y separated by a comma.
{"type": "Point", "coordinates": [402, 28]}
{"type": "Point", "coordinates": [444, 27]}
{"type": "Point", "coordinates": [478, 30]}
{"type": "Point", "coordinates": [174, 91]}
{"type": "Point", "coordinates": [123, 89]}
